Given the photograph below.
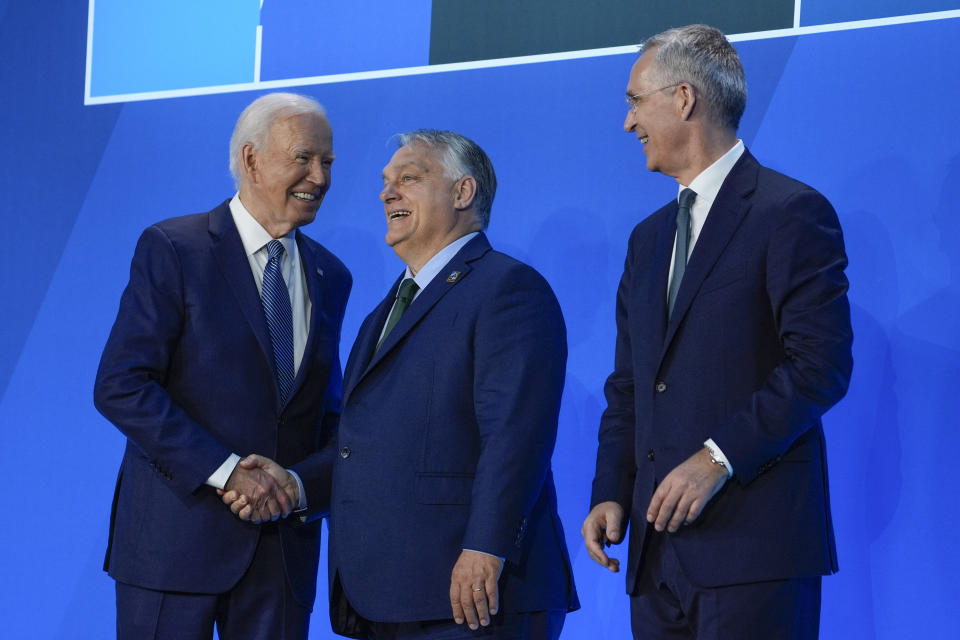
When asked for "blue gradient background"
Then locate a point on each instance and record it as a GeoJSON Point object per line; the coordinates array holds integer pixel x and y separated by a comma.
{"type": "Point", "coordinates": [866, 116]}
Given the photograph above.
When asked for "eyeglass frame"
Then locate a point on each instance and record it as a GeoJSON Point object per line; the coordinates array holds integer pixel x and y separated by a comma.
{"type": "Point", "coordinates": [633, 99]}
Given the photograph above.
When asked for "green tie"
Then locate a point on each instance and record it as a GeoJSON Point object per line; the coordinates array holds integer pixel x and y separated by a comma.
{"type": "Point", "coordinates": [408, 289]}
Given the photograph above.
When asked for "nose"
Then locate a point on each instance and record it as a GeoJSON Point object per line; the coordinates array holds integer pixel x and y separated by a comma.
{"type": "Point", "coordinates": [388, 194]}
{"type": "Point", "coordinates": [318, 174]}
{"type": "Point", "coordinates": [630, 123]}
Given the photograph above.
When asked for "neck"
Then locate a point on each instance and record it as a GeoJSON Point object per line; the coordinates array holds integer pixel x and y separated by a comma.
{"type": "Point", "coordinates": [704, 150]}
{"type": "Point", "coordinates": [255, 209]}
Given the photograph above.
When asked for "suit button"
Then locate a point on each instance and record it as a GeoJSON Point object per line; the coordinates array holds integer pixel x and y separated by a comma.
{"type": "Point", "coordinates": [650, 455]}
{"type": "Point", "coordinates": [345, 452]}
{"type": "Point", "coordinates": [661, 387]}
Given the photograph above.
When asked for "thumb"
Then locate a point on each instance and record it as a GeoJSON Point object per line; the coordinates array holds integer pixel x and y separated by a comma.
{"type": "Point", "coordinates": [613, 532]}
{"type": "Point", "coordinates": [252, 461]}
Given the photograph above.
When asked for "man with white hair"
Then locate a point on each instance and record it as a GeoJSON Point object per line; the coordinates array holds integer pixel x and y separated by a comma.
{"type": "Point", "coordinates": [226, 345]}
{"type": "Point", "coordinates": [733, 338]}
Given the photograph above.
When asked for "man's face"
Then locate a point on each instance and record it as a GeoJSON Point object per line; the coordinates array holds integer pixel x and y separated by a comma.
{"type": "Point", "coordinates": [655, 118]}
{"type": "Point", "coordinates": [286, 180]}
{"type": "Point", "coordinates": [425, 209]}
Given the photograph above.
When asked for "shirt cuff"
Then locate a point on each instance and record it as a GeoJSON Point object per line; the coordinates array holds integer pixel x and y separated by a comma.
{"type": "Point", "coordinates": [492, 555]}
{"type": "Point", "coordinates": [302, 503]}
{"type": "Point", "coordinates": [718, 454]}
{"type": "Point", "coordinates": [219, 478]}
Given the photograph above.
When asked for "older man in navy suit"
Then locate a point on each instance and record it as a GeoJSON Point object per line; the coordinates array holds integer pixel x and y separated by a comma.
{"type": "Point", "coordinates": [226, 345]}
{"type": "Point", "coordinates": [444, 514]}
{"type": "Point", "coordinates": [733, 338]}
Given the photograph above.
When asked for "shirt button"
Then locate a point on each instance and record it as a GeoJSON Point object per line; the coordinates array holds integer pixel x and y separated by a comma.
{"type": "Point", "coordinates": [650, 455]}
{"type": "Point", "coordinates": [661, 387]}
{"type": "Point", "coordinates": [345, 452]}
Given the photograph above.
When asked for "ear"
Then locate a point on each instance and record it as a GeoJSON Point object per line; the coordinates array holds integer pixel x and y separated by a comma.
{"type": "Point", "coordinates": [248, 158]}
{"type": "Point", "coordinates": [464, 191]}
{"type": "Point", "coordinates": [686, 100]}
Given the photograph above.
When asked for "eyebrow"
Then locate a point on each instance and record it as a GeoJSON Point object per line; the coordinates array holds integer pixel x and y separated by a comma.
{"type": "Point", "coordinates": [408, 164]}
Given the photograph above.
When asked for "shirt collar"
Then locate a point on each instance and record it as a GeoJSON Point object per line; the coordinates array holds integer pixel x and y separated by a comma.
{"type": "Point", "coordinates": [252, 234]}
{"type": "Point", "coordinates": [438, 261]}
{"type": "Point", "coordinates": [707, 184]}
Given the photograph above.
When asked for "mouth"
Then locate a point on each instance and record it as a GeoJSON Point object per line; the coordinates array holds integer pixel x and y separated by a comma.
{"type": "Point", "coordinates": [643, 139]}
{"type": "Point", "coordinates": [396, 215]}
{"type": "Point", "coordinates": [305, 196]}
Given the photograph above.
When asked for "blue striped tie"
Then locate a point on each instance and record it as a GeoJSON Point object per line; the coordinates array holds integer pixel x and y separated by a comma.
{"type": "Point", "coordinates": [276, 306]}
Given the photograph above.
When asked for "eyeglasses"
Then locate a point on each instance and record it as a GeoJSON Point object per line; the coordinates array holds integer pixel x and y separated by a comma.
{"type": "Point", "coordinates": [634, 99]}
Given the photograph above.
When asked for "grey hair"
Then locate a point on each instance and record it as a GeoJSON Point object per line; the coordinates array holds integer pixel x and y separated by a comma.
{"type": "Point", "coordinates": [702, 56]}
{"type": "Point", "coordinates": [460, 157]}
{"type": "Point", "coordinates": [254, 123]}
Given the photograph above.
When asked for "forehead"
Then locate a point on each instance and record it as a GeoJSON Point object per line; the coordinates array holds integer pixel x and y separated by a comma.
{"type": "Point", "coordinates": [417, 155]}
{"type": "Point", "coordinates": [641, 71]}
{"type": "Point", "coordinates": [309, 130]}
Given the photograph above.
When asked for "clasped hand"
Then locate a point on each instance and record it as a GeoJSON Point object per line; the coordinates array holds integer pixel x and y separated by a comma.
{"type": "Point", "coordinates": [260, 490]}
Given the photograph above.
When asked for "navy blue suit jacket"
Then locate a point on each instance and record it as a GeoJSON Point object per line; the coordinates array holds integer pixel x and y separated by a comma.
{"type": "Point", "coordinates": [757, 349]}
{"type": "Point", "coordinates": [445, 442]}
{"type": "Point", "coordinates": [188, 376]}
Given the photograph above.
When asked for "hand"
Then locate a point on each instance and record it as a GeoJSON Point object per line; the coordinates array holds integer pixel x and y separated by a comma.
{"type": "Point", "coordinates": [603, 527]}
{"type": "Point", "coordinates": [474, 594]}
{"type": "Point", "coordinates": [685, 492]}
{"type": "Point", "coordinates": [260, 490]}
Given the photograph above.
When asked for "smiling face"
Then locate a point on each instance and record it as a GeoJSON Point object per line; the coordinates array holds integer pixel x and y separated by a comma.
{"type": "Point", "coordinates": [656, 118]}
{"type": "Point", "coordinates": [285, 181]}
{"type": "Point", "coordinates": [426, 210]}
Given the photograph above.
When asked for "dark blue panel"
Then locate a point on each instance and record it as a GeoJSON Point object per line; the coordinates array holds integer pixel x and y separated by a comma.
{"type": "Point", "coordinates": [827, 11]}
{"type": "Point", "coordinates": [303, 38]}
{"type": "Point", "coordinates": [52, 146]}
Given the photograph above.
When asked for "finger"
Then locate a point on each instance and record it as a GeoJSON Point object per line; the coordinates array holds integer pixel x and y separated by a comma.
{"type": "Point", "coordinates": [455, 605]}
{"type": "Point", "coordinates": [679, 513]}
{"type": "Point", "coordinates": [653, 509]}
{"type": "Point", "coordinates": [238, 504]}
{"type": "Point", "coordinates": [667, 507]}
{"type": "Point", "coordinates": [245, 513]}
{"type": "Point", "coordinates": [469, 608]}
{"type": "Point", "coordinates": [252, 461]}
{"type": "Point", "coordinates": [493, 595]}
{"type": "Point", "coordinates": [480, 603]}
{"type": "Point", "coordinates": [693, 512]}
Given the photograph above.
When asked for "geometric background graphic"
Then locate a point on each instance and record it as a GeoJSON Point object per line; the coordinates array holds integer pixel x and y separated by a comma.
{"type": "Point", "coordinates": [866, 115]}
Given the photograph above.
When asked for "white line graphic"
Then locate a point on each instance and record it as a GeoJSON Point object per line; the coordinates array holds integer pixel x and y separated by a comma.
{"type": "Point", "coordinates": [258, 85]}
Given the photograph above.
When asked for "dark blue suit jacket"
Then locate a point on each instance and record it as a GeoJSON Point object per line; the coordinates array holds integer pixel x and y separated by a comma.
{"type": "Point", "coordinates": [445, 443]}
{"type": "Point", "coordinates": [188, 376]}
{"type": "Point", "coordinates": [757, 349]}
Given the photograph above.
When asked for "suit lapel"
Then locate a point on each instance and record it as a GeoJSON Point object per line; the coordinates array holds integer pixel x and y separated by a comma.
{"type": "Point", "coordinates": [228, 251]}
{"type": "Point", "coordinates": [728, 211]}
{"type": "Point", "coordinates": [313, 272]}
{"type": "Point", "coordinates": [428, 298]}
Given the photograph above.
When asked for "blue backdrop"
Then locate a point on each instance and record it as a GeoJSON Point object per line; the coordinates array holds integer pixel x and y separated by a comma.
{"type": "Point", "coordinates": [867, 115]}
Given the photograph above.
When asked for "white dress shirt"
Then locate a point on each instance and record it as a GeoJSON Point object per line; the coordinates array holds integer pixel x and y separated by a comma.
{"type": "Point", "coordinates": [707, 185]}
{"type": "Point", "coordinates": [255, 239]}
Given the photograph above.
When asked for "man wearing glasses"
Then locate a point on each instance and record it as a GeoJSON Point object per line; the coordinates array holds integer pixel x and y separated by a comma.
{"type": "Point", "coordinates": [733, 338]}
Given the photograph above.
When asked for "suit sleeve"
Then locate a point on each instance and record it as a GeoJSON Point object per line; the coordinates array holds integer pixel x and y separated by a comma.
{"type": "Point", "coordinates": [130, 384]}
{"type": "Point", "coordinates": [520, 354]}
{"type": "Point", "coordinates": [807, 289]}
{"type": "Point", "coordinates": [316, 470]}
{"type": "Point", "coordinates": [616, 467]}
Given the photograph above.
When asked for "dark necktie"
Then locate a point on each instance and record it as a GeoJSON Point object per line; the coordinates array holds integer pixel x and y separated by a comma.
{"type": "Point", "coordinates": [276, 306]}
{"type": "Point", "coordinates": [408, 289]}
{"type": "Point", "coordinates": [687, 197]}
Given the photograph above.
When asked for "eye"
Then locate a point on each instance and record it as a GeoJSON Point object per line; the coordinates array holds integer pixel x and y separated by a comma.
{"type": "Point", "coordinates": [302, 158]}
{"type": "Point", "coordinates": [327, 163]}
{"type": "Point", "coordinates": [406, 179]}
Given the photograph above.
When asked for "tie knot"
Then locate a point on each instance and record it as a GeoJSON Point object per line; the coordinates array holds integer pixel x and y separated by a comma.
{"type": "Point", "coordinates": [687, 196]}
{"type": "Point", "coordinates": [275, 249]}
{"type": "Point", "coordinates": [408, 289]}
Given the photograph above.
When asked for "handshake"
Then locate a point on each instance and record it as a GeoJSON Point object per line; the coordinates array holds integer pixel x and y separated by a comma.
{"type": "Point", "coordinates": [260, 490]}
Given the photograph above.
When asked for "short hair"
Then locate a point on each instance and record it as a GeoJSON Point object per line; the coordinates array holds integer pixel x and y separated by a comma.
{"type": "Point", "coordinates": [254, 123]}
{"type": "Point", "coordinates": [461, 157]}
{"type": "Point", "coordinates": [702, 56]}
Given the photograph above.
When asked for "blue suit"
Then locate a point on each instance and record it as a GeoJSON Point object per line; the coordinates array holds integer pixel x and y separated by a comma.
{"type": "Point", "coordinates": [188, 376]}
{"type": "Point", "coordinates": [445, 442]}
{"type": "Point", "coordinates": [757, 349]}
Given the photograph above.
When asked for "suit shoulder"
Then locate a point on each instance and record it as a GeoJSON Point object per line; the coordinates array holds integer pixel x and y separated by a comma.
{"type": "Point", "coordinates": [329, 259]}
{"type": "Point", "coordinates": [503, 266]}
{"type": "Point", "coordinates": [184, 229]}
{"type": "Point", "coordinates": [780, 185]}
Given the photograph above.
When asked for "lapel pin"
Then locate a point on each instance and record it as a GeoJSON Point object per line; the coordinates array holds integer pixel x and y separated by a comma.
{"type": "Point", "coordinates": [453, 276]}
{"type": "Point", "coordinates": [319, 272]}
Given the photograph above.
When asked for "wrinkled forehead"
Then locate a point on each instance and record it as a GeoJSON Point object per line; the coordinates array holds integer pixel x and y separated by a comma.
{"type": "Point", "coordinates": [418, 155]}
{"type": "Point", "coordinates": [299, 129]}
